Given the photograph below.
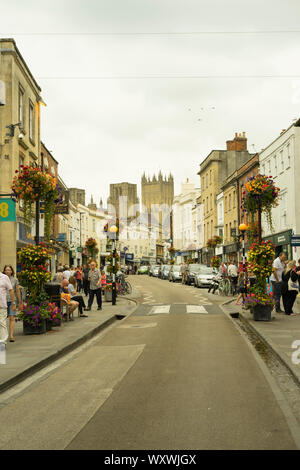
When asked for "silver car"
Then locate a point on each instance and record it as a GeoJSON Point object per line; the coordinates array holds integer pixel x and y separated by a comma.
{"type": "Point", "coordinates": [204, 277]}
{"type": "Point", "coordinates": [154, 269]}
{"type": "Point", "coordinates": [175, 273]}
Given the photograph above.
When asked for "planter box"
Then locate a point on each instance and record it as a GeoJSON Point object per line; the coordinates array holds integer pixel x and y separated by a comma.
{"type": "Point", "coordinates": [30, 330]}
{"type": "Point", "coordinates": [48, 325]}
{"type": "Point", "coordinates": [262, 313]}
{"type": "Point", "coordinates": [57, 323]}
{"type": "Point", "coordinates": [108, 295]}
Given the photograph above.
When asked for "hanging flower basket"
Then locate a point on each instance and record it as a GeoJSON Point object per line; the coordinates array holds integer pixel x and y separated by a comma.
{"type": "Point", "coordinates": [32, 184]}
{"type": "Point", "coordinates": [211, 243]}
{"type": "Point", "coordinates": [260, 194]}
{"type": "Point", "coordinates": [215, 262]}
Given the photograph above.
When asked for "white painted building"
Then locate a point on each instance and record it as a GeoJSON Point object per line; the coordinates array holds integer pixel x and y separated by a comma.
{"type": "Point", "coordinates": [187, 221]}
{"type": "Point", "coordinates": [281, 160]}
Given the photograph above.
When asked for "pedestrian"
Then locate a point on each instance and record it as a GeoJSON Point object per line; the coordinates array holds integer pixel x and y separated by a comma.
{"type": "Point", "coordinates": [78, 276]}
{"type": "Point", "coordinates": [8, 270]}
{"type": "Point", "coordinates": [95, 289]}
{"type": "Point", "coordinates": [289, 287]}
{"type": "Point", "coordinates": [85, 279]}
{"type": "Point", "coordinates": [224, 269]}
{"type": "Point", "coordinates": [5, 288]}
{"type": "Point", "coordinates": [58, 276]}
{"type": "Point", "coordinates": [279, 266]}
{"type": "Point", "coordinates": [182, 270]}
{"type": "Point", "coordinates": [67, 273]}
{"type": "Point", "coordinates": [233, 275]}
{"type": "Point", "coordinates": [103, 279]}
{"type": "Point", "coordinates": [72, 288]}
{"type": "Point", "coordinates": [242, 287]}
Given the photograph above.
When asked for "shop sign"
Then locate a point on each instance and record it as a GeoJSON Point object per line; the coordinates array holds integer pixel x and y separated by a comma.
{"type": "Point", "coordinates": [295, 240]}
{"type": "Point", "coordinates": [7, 210]}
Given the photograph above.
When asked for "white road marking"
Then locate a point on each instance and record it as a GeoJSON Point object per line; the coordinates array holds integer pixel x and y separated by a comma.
{"type": "Point", "coordinates": [195, 309]}
{"type": "Point", "coordinates": [160, 309]}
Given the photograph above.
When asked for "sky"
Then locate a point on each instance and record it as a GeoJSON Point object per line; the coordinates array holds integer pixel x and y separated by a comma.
{"type": "Point", "coordinates": [149, 85]}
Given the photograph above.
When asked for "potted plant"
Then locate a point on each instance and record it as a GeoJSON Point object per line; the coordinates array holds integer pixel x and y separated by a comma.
{"type": "Point", "coordinates": [33, 276]}
{"type": "Point", "coordinates": [260, 257]}
{"type": "Point", "coordinates": [34, 318]}
{"type": "Point", "coordinates": [260, 305]}
{"type": "Point", "coordinates": [107, 292]}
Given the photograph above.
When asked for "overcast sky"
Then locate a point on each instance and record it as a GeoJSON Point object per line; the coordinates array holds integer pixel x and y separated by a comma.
{"type": "Point", "coordinates": [115, 104]}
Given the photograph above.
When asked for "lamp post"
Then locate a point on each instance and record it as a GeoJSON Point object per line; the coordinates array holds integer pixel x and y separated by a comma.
{"type": "Point", "coordinates": [242, 229]}
{"type": "Point", "coordinates": [114, 232]}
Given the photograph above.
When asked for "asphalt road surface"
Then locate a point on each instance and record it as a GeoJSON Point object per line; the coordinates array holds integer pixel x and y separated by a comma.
{"type": "Point", "coordinates": [176, 374]}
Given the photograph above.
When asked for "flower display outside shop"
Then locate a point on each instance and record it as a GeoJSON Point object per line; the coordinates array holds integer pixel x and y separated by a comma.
{"type": "Point", "coordinates": [260, 194]}
{"type": "Point", "coordinates": [252, 300]}
{"type": "Point", "coordinates": [32, 184]}
{"type": "Point", "coordinates": [260, 257]}
{"type": "Point", "coordinates": [212, 242]}
{"type": "Point", "coordinates": [34, 272]}
{"type": "Point", "coordinates": [33, 315]}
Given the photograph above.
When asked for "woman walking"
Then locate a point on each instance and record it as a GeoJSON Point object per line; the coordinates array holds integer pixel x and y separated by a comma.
{"type": "Point", "coordinates": [78, 276]}
{"type": "Point", "coordinates": [289, 288]}
{"type": "Point", "coordinates": [242, 287]}
{"type": "Point", "coordinates": [8, 270]}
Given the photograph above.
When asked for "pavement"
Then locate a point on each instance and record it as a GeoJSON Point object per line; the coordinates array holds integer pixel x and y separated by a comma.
{"type": "Point", "coordinates": [30, 353]}
{"type": "Point", "coordinates": [279, 333]}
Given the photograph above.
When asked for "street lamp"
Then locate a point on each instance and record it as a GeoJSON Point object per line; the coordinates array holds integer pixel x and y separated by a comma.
{"type": "Point", "coordinates": [242, 229]}
{"type": "Point", "coordinates": [114, 231]}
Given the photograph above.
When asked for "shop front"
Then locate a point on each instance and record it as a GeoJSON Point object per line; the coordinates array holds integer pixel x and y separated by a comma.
{"type": "Point", "coordinates": [282, 242]}
{"type": "Point", "coordinates": [231, 252]}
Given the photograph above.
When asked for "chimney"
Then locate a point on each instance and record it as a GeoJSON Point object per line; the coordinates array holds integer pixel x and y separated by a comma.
{"type": "Point", "coordinates": [239, 143]}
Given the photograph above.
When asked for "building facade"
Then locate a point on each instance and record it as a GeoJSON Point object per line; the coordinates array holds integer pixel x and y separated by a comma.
{"type": "Point", "coordinates": [281, 160]}
{"type": "Point", "coordinates": [22, 146]}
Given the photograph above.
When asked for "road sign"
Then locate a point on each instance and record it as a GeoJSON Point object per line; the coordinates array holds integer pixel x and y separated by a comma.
{"type": "Point", "coordinates": [7, 210]}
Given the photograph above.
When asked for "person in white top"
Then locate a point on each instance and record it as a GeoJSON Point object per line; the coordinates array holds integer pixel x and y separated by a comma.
{"type": "Point", "coordinates": [279, 265]}
{"type": "Point", "coordinates": [232, 272]}
{"type": "Point", "coordinates": [67, 273]}
{"type": "Point", "coordinates": [5, 288]}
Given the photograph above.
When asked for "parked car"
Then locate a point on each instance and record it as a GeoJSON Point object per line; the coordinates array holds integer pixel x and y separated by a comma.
{"type": "Point", "coordinates": [165, 271]}
{"type": "Point", "coordinates": [204, 278]}
{"type": "Point", "coordinates": [154, 270]}
{"type": "Point", "coordinates": [175, 273]}
{"type": "Point", "coordinates": [143, 269]}
{"type": "Point", "coordinates": [191, 271]}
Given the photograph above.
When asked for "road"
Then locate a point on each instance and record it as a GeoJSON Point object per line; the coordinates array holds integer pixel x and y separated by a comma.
{"type": "Point", "coordinates": [176, 374]}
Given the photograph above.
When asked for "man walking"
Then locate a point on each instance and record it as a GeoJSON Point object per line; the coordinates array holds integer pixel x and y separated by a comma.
{"type": "Point", "coordinates": [95, 286]}
{"type": "Point", "coordinates": [233, 275]}
{"type": "Point", "coordinates": [279, 265]}
{"type": "Point", "coordinates": [5, 288]}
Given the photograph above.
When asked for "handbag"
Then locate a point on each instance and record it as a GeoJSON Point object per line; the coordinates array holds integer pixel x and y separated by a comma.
{"type": "Point", "coordinates": [293, 285]}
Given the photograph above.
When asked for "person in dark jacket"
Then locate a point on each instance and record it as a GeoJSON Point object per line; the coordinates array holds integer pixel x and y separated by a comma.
{"type": "Point", "coordinates": [85, 279]}
{"type": "Point", "coordinates": [289, 288]}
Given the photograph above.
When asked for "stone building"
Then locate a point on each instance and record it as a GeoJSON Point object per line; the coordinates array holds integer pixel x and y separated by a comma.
{"type": "Point", "coordinates": [21, 112]}
{"type": "Point", "coordinates": [123, 197]}
{"type": "Point", "coordinates": [214, 172]}
{"type": "Point", "coordinates": [157, 201]}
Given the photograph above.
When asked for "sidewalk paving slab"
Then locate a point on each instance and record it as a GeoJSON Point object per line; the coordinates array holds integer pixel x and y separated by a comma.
{"type": "Point", "coordinates": [30, 353]}
{"type": "Point", "coordinates": [279, 333]}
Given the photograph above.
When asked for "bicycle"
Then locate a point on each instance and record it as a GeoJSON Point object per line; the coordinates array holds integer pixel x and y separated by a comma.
{"type": "Point", "coordinates": [224, 286]}
{"type": "Point", "coordinates": [124, 287]}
